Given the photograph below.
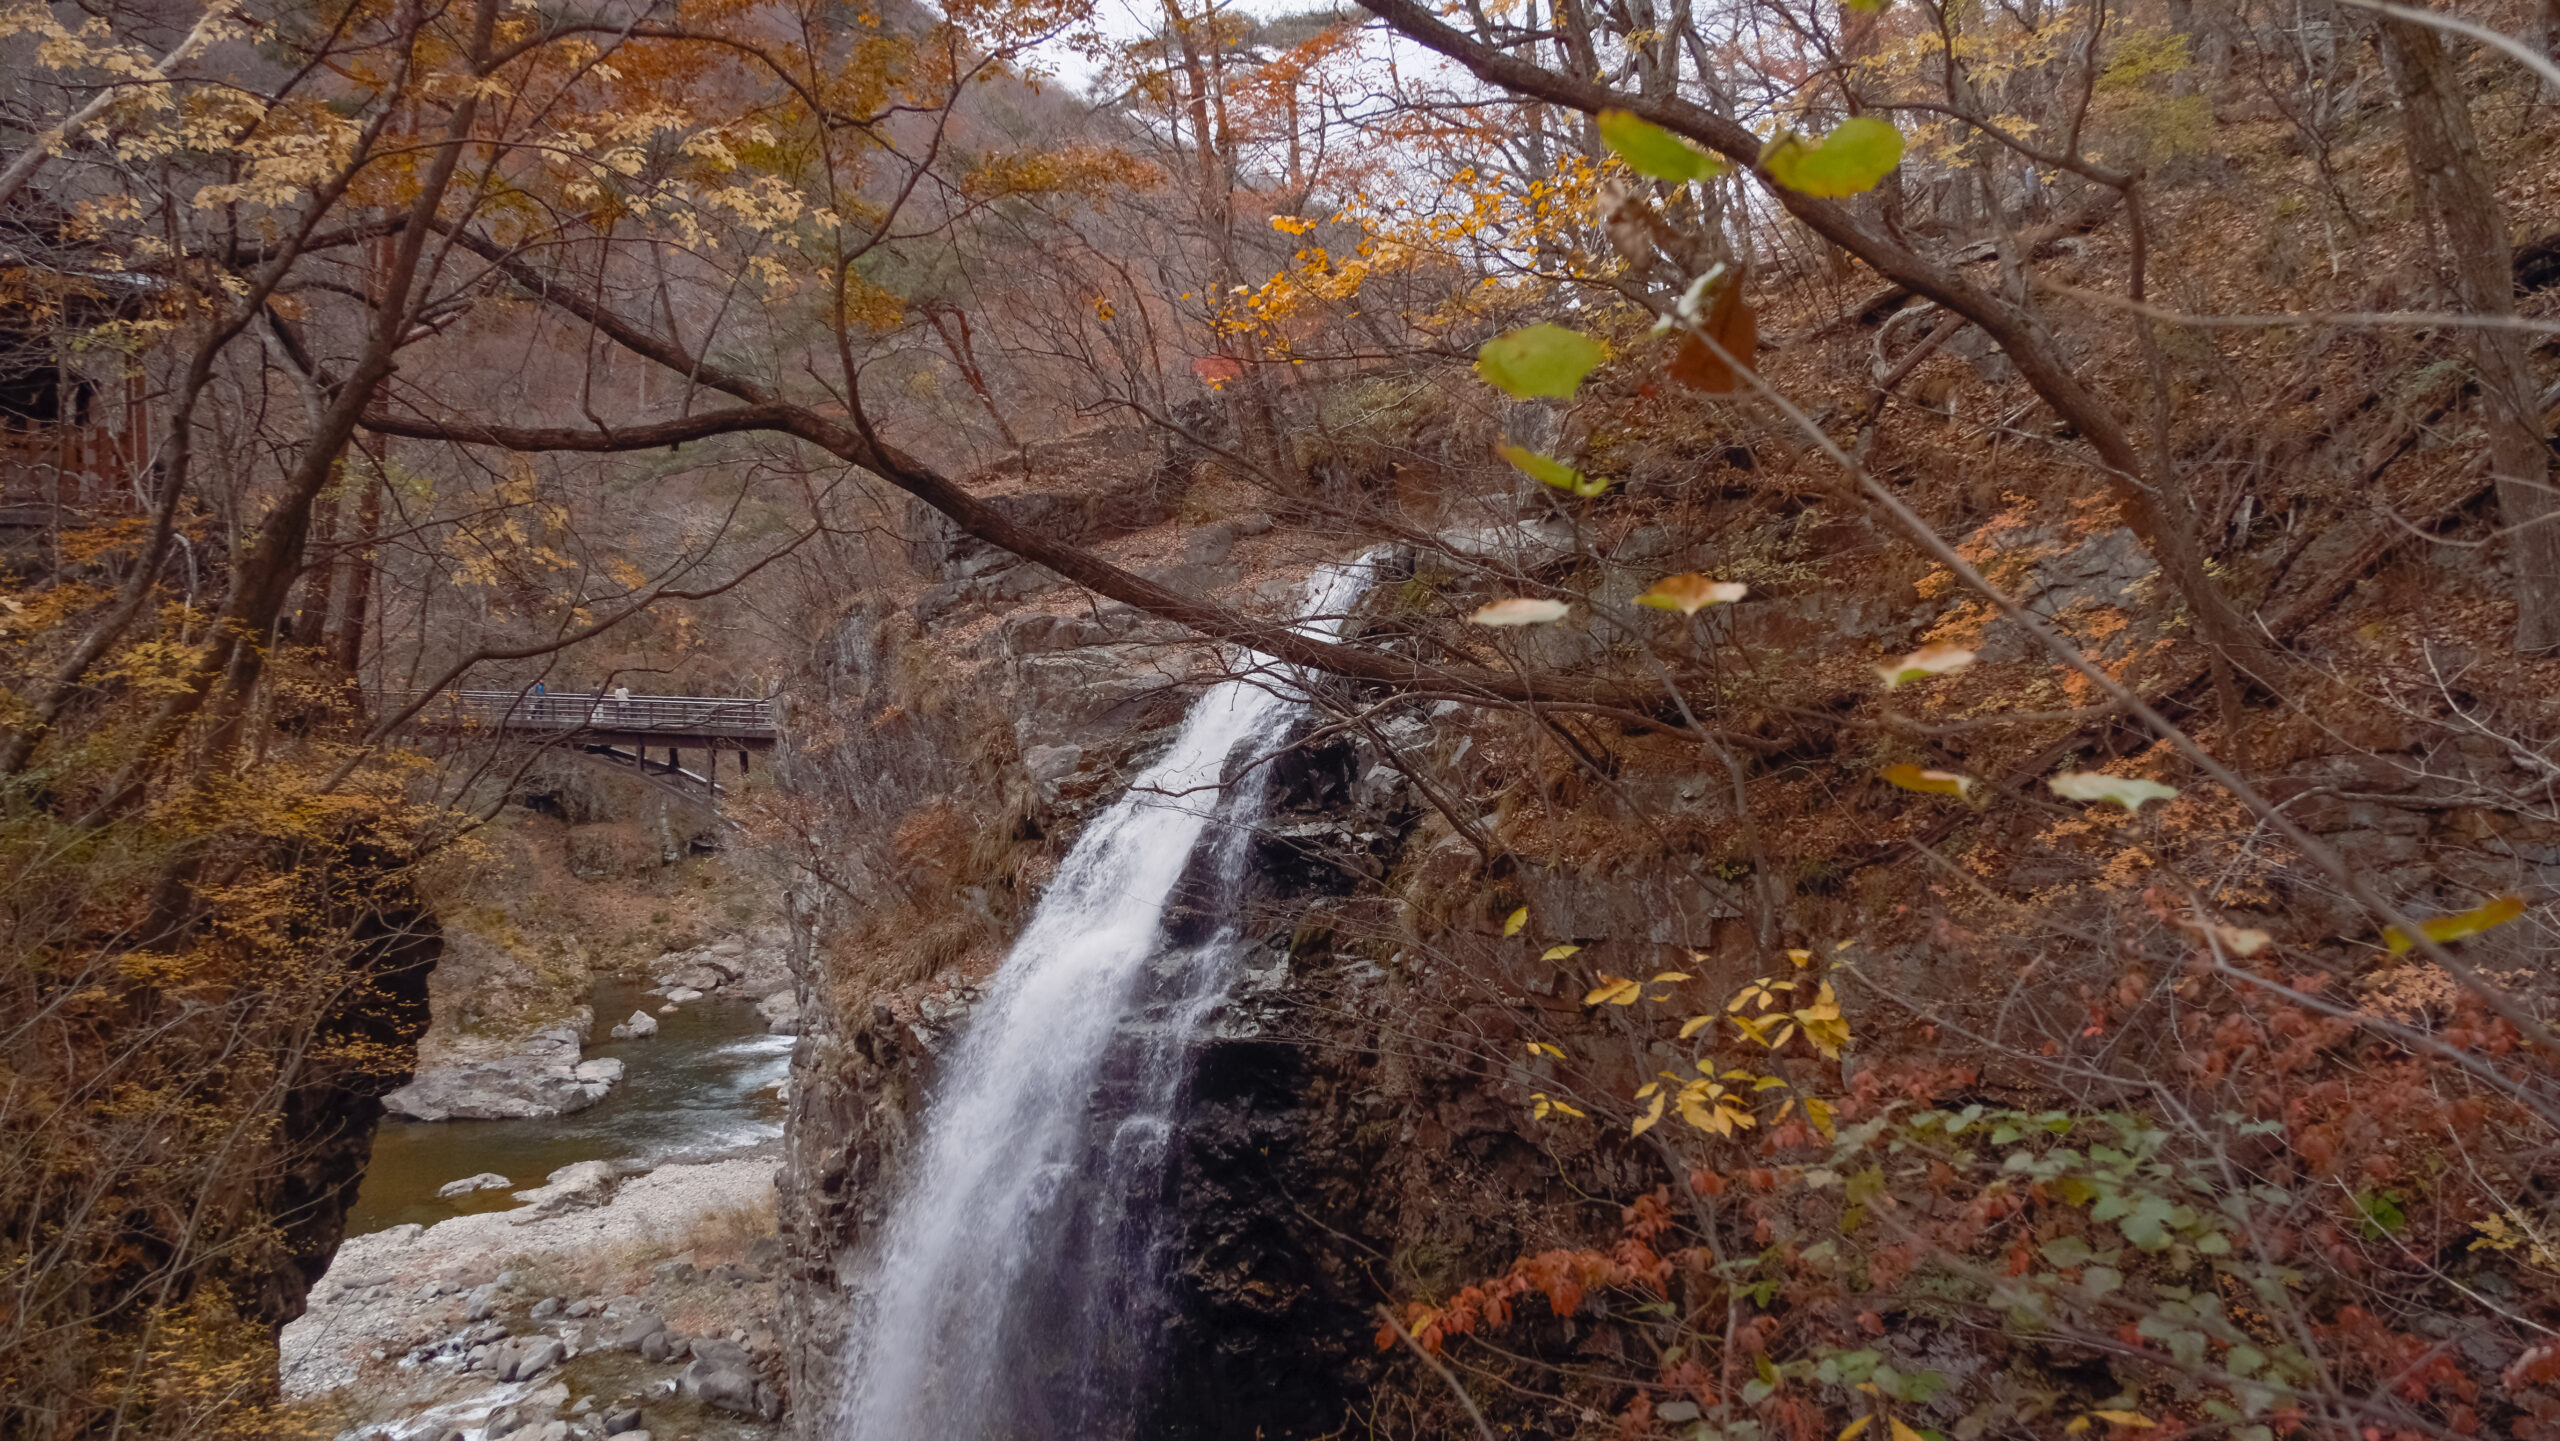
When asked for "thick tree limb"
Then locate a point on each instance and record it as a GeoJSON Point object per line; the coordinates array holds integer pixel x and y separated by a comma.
{"type": "Point", "coordinates": [1279, 640]}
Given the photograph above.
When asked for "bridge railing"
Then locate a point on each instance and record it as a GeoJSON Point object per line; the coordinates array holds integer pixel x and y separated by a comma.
{"type": "Point", "coordinates": [506, 711]}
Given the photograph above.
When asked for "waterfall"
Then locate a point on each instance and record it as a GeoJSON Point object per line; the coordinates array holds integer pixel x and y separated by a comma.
{"type": "Point", "coordinates": [1015, 1290]}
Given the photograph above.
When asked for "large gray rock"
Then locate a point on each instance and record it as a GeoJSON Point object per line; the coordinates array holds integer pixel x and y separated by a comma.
{"type": "Point", "coordinates": [781, 1012]}
{"type": "Point", "coordinates": [724, 1386]}
{"type": "Point", "coordinates": [573, 1187]}
{"type": "Point", "coordinates": [641, 1026]}
{"type": "Point", "coordinates": [637, 1331]}
{"type": "Point", "coordinates": [485, 1181]}
{"type": "Point", "coordinates": [523, 1360]}
{"type": "Point", "coordinates": [536, 1075]}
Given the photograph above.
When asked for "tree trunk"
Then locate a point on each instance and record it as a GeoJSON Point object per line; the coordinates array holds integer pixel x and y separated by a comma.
{"type": "Point", "coordinates": [320, 582]}
{"type": "Point", "coordinates": [347, 649]}
{"type": "Point", "coordinates": [2452, 181]}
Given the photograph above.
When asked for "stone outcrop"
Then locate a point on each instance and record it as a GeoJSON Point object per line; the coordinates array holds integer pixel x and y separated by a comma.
{"type": "Point", "coordinates": [471, 1078]}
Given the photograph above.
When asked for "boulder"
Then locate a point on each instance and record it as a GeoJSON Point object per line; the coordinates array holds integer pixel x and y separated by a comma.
{"type": "Point", "coordinates": [572, 1187]}
{"type": "Point", "coordinates": [682, 994]}
{"type": "Point", "coordinates": [730, 1388]}
{"type": "Point", "coordinates": [1049, 768]}
{"type": "Point", "coordinates": [700, 976]}
{"type": "Point", "coordinates": [538, 1075]}
{"type": "Point", "coordinates": [523, 1360]}
{"type": "Point", "coordinates": [781, 1012]}
{"type": "Point", "coordinates": [641, 1026]}
{"type": "Point", "coordinates": [765, 963]}
{"type": "Point", "coordinates": [532, 1409]}
{"type": "Point", "coordinates": [637, 1331]}
{"type": "Point", "coordinates": [485, 1181]}
{"type": "Point", "coordinates": [623, 1421]}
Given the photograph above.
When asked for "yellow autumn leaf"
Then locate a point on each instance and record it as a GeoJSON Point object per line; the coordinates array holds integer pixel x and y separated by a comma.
{"type": "Point", "coordinates": [1541, 1104]}
{"type": "Point", "coordinates": [1613, 991]}
{"type": "Point", "coordinates": [1542, 1048]}
{"type": "Point", "coordinates": [1944, 783]}
{"type": "Point", "coordinates": [1855, 1428]}
{"type": "Point", "coordinates": [1801, 958]}
{"type": "Point", "coordinates": [1645, 1122]}
{"type": "Point", "coordinates": [1818, 1111]}
{"type": "Point", "coordinates": [1695, 1025]}
{"type": "Point", "coordinates": [1823, 1024]}
{"type": "Point", "coordinates": [1691, 593]}
{"type": "Point", "coordinates": [1670, 977]}
{"type": "Point", "coordinates": [1511, 926]}
{"type": "Point", "coordinates": [1759, 1028]}
{"type": "Point", "coordinates": [1558, 953]}
{"type": "Point", "coordinates": [2453, 928]}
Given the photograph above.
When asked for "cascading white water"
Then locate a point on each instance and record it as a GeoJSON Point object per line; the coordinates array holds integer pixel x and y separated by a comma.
{"type": "Point", "coordinates": [1009, 1293]}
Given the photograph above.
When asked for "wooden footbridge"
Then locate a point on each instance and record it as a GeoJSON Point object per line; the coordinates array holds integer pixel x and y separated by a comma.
{"type": "Point", "coordinates": [607, 726]}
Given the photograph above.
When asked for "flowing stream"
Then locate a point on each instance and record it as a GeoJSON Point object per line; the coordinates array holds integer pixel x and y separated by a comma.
{"type": "Point", "coordinates": [1016, 1288]}
{"type": "Point", "coordinates": [702, 1086]}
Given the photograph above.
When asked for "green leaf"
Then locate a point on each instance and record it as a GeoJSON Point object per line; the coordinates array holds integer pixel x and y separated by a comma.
{"type": "Point", "coordinates": [1651, 150]}
{"type": "Point", "coordinates": [2127, 791]}
{"type": "Point", "coordinates": [2147, 1225]}
{"type": "Point", "coordinates": [1859, 152]}
{"type": "Point", "coordinates": [2453, 928]}
{"type": "Point", "coordinates": [1548, 470]}
{"type": "Point", "coordinates": [2382, 1215]}
{"type": "Point", "coordinates": [2066, 1251]}
{"type": "Point", "coordinates": [1543, 360]}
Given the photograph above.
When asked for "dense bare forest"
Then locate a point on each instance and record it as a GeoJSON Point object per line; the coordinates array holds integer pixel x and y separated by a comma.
{"type": "Point", "coordinates": [1963, 611]}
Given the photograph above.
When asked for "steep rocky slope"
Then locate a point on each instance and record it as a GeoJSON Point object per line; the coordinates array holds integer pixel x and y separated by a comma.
{"type": "Point", "coordinates": [1359, 1128]}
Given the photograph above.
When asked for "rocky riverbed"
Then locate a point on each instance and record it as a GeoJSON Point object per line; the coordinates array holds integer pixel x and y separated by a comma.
{"type": "Point", "coordinates": [604, 1305]}
{"type": "Point", "coordinates": [472, 1068]}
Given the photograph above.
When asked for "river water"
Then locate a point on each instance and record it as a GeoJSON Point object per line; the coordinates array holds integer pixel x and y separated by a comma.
{"type": "Point", "coordinates": [702, 1086]}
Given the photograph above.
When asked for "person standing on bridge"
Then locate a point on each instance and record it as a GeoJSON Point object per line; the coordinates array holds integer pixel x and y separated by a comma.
{"type": "Point", "coordinates": [622, 702]}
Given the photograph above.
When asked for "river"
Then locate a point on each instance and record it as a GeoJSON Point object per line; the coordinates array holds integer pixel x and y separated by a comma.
{"type": "Point", "coordinates": [703, 1086]}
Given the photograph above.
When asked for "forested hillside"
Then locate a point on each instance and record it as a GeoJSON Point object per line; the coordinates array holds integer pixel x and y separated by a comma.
{"type": "Point", "coordinates": [1933, 811]}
